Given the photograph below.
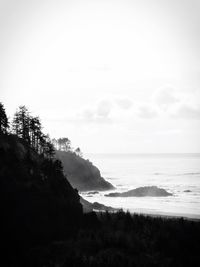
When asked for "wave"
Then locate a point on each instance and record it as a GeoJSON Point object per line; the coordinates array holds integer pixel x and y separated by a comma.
{"type": "Point", "coordinates": [178, 174]}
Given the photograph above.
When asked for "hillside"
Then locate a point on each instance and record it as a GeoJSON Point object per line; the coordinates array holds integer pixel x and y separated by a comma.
{"type": "Point", "coordinates": [81, 173]}
{"type": "Point", "coordinates": [37, 202]}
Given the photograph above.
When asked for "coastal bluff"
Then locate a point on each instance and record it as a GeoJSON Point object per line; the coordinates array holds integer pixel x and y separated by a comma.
{"type": "Point", "coordinates": [81, 173]}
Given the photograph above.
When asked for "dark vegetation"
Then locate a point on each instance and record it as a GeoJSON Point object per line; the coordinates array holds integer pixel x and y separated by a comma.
{"type": "Point", "coordinates": [42, 223]}
{"type": "Point", "coordinates": [29, 129]}
{"type": "Point", "coordinates": [145, 191]}
{"type": "Point", "coordinates": [119, 239]}
{"type": "Point", "coordinates": [37, 202]}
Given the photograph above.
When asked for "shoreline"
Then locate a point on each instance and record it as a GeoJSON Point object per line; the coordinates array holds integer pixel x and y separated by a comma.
{"type": "Point", "coordinates": [169, 216]}
{"type": "Point", "coordinates": [193, 217]}
{"type": "Point", "coordinates": [142, 211]}
{"type": "Point", "coordinates": [146, 212]}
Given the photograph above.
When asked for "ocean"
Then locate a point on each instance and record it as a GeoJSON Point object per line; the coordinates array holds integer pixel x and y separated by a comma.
{"type": "Point", "coordinates": [179, 174]}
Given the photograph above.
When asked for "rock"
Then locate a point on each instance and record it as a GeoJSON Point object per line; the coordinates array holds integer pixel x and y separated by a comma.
{"type": "Point", "coordinates": [93, 193]}
{"type": "Point", "coordinates": [146, 191]}
{"type": "Point", "coordinates": [89, 207]}
{"type": "Point", "coordinates": [81, 173]}
{"type": "Point", "coordinates": [187, 191]}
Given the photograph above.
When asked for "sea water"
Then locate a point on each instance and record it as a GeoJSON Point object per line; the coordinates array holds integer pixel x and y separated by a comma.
{"type": "Point", "coordinates": [179, 174]}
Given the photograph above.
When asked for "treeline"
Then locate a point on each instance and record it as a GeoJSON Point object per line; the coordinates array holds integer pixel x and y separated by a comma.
{"type": "Point", "coordinates": [29, 128]}
{"type": "Point", "coordinates": [124, 240]}
{"type": "Point", "coordinates": [64, 144]}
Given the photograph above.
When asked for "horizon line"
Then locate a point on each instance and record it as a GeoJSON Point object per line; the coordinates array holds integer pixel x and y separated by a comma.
{"type": "Point", "coordinates": [144, 153]}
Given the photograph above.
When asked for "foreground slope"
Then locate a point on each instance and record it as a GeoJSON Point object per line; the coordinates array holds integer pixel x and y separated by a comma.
{"type": "Point", "coordinates": [37, 202]}
{"type": "Point", "coordinates": [81, 173]}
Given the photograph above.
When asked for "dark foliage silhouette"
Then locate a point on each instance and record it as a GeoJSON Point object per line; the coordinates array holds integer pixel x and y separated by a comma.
{"type": "Point", "coordinates": [37, 202]}
{"type": "Point", "coordinates": [29, 128]}
{"type": "Point", "coordinates": [3, 120]}
{"type": "Point", "coordinates": [121, 239]}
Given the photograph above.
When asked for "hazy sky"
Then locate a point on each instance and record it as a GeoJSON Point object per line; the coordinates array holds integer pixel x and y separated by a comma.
{"type": "Point", "coordinates": [113, 76]}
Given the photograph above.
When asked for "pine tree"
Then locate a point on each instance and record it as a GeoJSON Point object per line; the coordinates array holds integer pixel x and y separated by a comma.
{"type": "Point", "coordinates": [35, 132]}
{"type": "Point", "coordinates": [55, 143]}
{"type": "Point", "coordinates": [47, 147]}
{"type": "Point", "coordinates": [78, 152]}
{"type": "Point", "coordinates": [3, 120]}
{"type": "Point", "coordinates": [64, 144]}
{"type": "Point", "coordinates": [29, 128]}
{"type": "Point", "coordinates": [21, 123]}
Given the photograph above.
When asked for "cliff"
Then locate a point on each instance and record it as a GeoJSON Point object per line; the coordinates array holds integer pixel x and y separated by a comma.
{"type": "Point", "coordinates": [81, 173]}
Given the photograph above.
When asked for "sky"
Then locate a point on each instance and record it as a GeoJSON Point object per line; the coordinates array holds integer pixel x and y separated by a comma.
{"type": "Point", "coordinates": [112, 76]}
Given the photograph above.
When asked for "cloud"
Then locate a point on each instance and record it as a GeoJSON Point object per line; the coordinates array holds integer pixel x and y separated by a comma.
{"type": "Point", "coordinates": [88, 114]}
{"type": "Point", "coordinates": [109, 109]}
{"type": "Point", "coordinates": [124, 103]}
{"type": "Point", "coordinates": [186, 111]}
{"type": "Point", "coordinates": [147, 112]}
{"type": "Point", "coordinates": [167, 103]}
{"type": "Point", "coordinates": [100, 112]}
{"type": "Point", "coordinates": [166, 97]}
{"type": "Point", "coordinates": [100, 67]}
{"type": "Point", "coordinates": [177, 103]}
{"type": "Point", "coordinates": [103, 109]}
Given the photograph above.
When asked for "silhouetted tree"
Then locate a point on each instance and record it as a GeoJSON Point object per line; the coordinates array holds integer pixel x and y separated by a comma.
{"type": "Point", "coordinates": [55, 143]}
{"type": "Point", "coordinates": [47, 146]}
{"type": "Point", "coordinates": [35, 132]}
{"type": "Point", "coordinates": [29, 128]}
{"type": "Point", "coordinates": [3, 120]}
{"type": "Point", "coordinates": [50, 150]}
{"type": "Point", "coordinates": [59, 143]}
{"type": "Point", "coordinates": [78, 152]}
{"type": "Point", "coordinates": [21, 123]}
{"type": "Point", "coordinates": [64, 144]}
{"type": "Point", "coordinates": [42, 143]}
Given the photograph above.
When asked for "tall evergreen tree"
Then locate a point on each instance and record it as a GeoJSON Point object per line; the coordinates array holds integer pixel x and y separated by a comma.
{"type": "Point", "coordinates": [21, 123]}
{"type": "Point", "coordinates": [60, 143]}
{"type": "Point", "coordinates": [55, 143]}
{"type": "Point", "coordinates": [29, 128]}
{"type": "Point", "coordinates": [64, 144]}
{"type": "Point", "coordinates": [3, 120]}
{"type": "Point", "coordinates": [35, 132]}
{"type": "Point", "coordinates": [49, 150]}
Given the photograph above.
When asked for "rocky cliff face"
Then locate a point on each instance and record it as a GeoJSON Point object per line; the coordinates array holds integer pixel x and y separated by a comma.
{"type": "Point", "coordinates": [81, 173]}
